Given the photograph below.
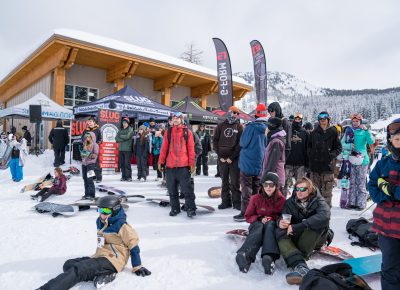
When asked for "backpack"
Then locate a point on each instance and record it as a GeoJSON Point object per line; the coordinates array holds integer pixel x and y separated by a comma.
{"type": "Point", "coordinates": [361, 228]}
{"type": "Point", "coordinates": [337, 276]}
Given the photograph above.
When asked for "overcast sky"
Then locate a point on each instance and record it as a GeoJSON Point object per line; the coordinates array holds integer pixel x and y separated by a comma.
{"type": "Point", "coordinates": [338, 43]}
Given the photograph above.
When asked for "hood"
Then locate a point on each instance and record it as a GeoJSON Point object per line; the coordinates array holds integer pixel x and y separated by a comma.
{"type": "Point", "coordinates": [274, 106]}
{"type": "Point", "coordinates": [93, 135]}
{"type": "Point", "coordinates": [114, 222]}
{"type": "Point", "coordinates": [258, 126]}
{"type": "Point", "coordinates": [262, 120]}
{"type": "Point", "coordinates": [280, 133]}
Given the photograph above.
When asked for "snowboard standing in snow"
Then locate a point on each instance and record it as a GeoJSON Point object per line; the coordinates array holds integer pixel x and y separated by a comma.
{"type": "Point", "coordinates": [5, 155]}
{"type": "Point", "coordinates": [56, 209]}
{"type": "Point", "coordinates": [35, 186]}
{"type": "Point", "coordinates": [165, 202]}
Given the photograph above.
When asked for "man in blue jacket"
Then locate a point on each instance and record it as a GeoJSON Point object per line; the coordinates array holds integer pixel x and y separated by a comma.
{"type": "Point", "coordinates": [252, 143]}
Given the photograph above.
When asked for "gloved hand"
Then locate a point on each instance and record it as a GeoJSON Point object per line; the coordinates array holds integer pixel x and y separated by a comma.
{"type": "Point", "coordinates": [142, 272]}
{"type": "Point", "coordinates": [387, 188]}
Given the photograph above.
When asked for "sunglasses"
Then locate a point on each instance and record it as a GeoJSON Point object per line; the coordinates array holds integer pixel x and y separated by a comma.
{"type": "Point", "coordinates": [393, 128]}
{"type": "Point", "coordinates": [105, 210]}
{"type": "Point", "coordinates": [301, 189]}
{"type": "Point", "coordinates": [356, 116]}
{"type": "Point", "coordinates": [270, 110]}
{"type": "Point", "coordinates": [235, 113]}
{"type": "Point", "coordinates": [269, 184]}
{"type": "Point", "coordinates": [298, 116]}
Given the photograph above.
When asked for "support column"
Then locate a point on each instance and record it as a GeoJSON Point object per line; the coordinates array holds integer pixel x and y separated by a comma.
{"type": "Point", "coordinates": [166, 97]}
{"type": "Point", "coordinates": [59, 85]}
{"type": "Point", "coordinates": [203, 101]}
{"type": "Point", "coordinates": [118, 84]}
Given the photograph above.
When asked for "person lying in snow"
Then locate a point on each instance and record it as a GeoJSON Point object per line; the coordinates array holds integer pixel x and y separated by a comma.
{"type": "Point", "coordinates": [116, 240]}
{"type": "Point", "coordinates": [59, 186]}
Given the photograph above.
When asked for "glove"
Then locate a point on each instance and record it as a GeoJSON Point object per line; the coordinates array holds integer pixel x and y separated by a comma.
{"type": "Point", "coordinates": [142, 272]}
{"type": "Point", "coordinates": [387, 188]}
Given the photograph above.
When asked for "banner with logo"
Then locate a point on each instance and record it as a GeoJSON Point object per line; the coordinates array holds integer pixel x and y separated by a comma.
{"type": "Point", "coordinates": [260, 71]}
{"type": "Point", "coordinates": [225, 89]}
{"type": "Point", "coordinates": [109, 122]}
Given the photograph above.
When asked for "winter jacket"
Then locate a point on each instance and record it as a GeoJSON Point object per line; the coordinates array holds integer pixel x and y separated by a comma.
{"type": "Point", "coordinates": [180, 154]}
{"type": "Point", "coordinates": [94, 153]}
{"type": "Point", "coordinates": [274, 157]}
{"type": "Point", "coordinates": [286, 125]}
{"type": "Point", "coordinates": [387, 211]}
{"type": "Point", "coordinates": [96, 131]}
{"type": "Point", "coordinates": [260, 207]}
{"type": "Point", "coordinates": [60, 184]}
{"type": "Point", "coordinates": [59, 138]}
{"type": "Point", "coordinates": [157, 143]}
{"type": "Point", "coordinates": [22, 148]}
{"type": "Point", "coordinates": [124, 139]}
{"type": "Point", "coordinates": [298, 152]}
{"type": "Point", "coordinates": [28, 137]}
{"type": "Point", "coordinates": [315, 216]}
{"type": "Point", "coordinates": [252, 146]}
{"type": "Point", "coordinates": [139, 149]}
{"type": "Point", "coordinates": [205, 141]}
{"type": "Point", "coordinates": [120, 241]}
{"type": "Point", "coordinates": [361, 139]}
{"type": "Point", "coordinates": [198, 147]}
{"type": "Point", "coordinates": [226, 140]}
{"type": "Point", "coordinates": [323, 147]}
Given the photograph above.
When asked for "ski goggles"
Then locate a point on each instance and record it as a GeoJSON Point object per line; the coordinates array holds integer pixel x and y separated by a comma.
{"type": "Point", "coordinates": [105, 210]}
{"type": "Point", "coordinates": [269, 184]}
{"type": "Point", "coordinates": [177, 115]}
{"type": "Point", "coordinates": [357, 116]}
{"type": "Point", "coordinates": [298, 116]}
{"type": "Point", "coordinates": [393, 128]}
{"type": "Point", "coordinates": [323, 116]}
{"type": "Point", "coordinates": [301, 189]}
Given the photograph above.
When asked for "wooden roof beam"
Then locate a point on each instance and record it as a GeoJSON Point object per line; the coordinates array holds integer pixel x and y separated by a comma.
{"type": "Point", "coordinates": [168, 81]}
{"type": "Point", "coordinates": [238, 94]}
{"type": "Point", "coordinates": [71, 58]}
{"type": "Point", "coordinates": [118, 71]}
{"type": "Point", "coordinates": [132, 69]}
{"type": "Point", "coordinates": [205, 89]}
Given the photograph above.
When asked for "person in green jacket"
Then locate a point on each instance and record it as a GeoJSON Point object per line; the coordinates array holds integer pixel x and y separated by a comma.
{"type": "Point", "coordinates": [124, 140]}
{"type": "Point", "coordinates": [354, 144]}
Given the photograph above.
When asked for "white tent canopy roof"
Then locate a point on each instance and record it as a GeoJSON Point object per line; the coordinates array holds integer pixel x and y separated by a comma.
{"type": "Point", "coordinates": [50, 109]}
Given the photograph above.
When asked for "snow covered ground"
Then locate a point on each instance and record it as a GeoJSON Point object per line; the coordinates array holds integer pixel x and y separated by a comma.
{"type": "Point", "coordinates": [181, 253]}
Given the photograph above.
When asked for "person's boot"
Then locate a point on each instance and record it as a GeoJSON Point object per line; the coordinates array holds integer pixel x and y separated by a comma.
{"type": "Point", "coordinates": [243, 262]}
{"type": "Point", "coordinates": [239, 218]}
{"type": "Point", "coordinates": [174, 212]}
{"type": "Point", "coordinates": [268, 264]}
{"type": "Point", "coordinates": [101, 280]}
{"type": "Point", "coordinates": [296, 277]}
{"type": "Point", "coordinates": [224, 206]}
{"type": "Point", "coordinates": [191, 213]}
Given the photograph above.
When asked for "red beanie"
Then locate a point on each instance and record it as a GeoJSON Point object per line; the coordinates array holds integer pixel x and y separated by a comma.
{"type": "Point", "coordinates": [261, 111]}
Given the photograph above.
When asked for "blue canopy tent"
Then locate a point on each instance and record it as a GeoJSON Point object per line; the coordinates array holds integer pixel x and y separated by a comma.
{"type": "Point", "coordinates": [130, 102]}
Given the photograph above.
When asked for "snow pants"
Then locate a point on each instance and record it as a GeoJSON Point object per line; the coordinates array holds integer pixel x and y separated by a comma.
{"type": "Point", "coordinates": [261, 236]}
{"type": "Point", "coordinates": [324, 182]}
{"type": "Point", "coordinates": [124, 159]}
{"type": "Point", "coordinates": [78, 270]}
{"type": "Point", "coordinates": [297, 248]}
{"type": "Point", "coordinates": [16, 170]}
{"type": "Point", "coordinates": [59, 156]}
{"type": "Point", "coordinates": [390, 273]}
{"type": "Point", "coordinates": [292, 171]}
{"type": "Point", "coordinates": [358, 191]}
{"type": "Point", "coordinates": [98, 171]}
{"type": "Point", "coordinates": [155, 165]}
{"type": "Point", "coordinates": [90, 190]}
{"type": "Point", "coordinates": [142, 166]}
{"type": "Point", "coordinates": [250, 185]}
{"type": "Point", "coordinates": [230, 175]}
{"type": "Point", "coordinates": [180, 176]}
{"type": "Point", "coordinates": [202, 159]}
{"type": "Point", "coordinates": [45, 193]}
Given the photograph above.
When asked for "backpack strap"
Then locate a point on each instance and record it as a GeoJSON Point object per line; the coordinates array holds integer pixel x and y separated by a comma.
{"type": "Point", "coordinates": [185, 136]}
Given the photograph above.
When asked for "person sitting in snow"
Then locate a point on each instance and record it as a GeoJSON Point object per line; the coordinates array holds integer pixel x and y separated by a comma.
{"type": "Point", "coordinates": [262, 212]}
{"type": "Point", "coordinates": [116, 241]}
{"type": "Point", "coordinates": [59, 186]}
{"type": "Point", "coordinates": [304, 227]}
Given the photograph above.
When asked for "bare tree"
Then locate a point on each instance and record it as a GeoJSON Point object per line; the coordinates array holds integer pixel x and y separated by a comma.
{"type": "Point", "coordinates": [192, 54]}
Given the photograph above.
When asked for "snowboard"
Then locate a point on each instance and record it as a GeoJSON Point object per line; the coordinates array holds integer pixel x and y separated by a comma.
{"type": "Point", "coordinates": [365, 265]}
{"type": "Point", "coordinates": [110, 190]}
{"type": "Point", "coordinates": [5, 155]}
{"type": "Point", "coordinates": [56, 209]}
{"type": "Point", "coordinates": [35, 185]}
{"type": "Point", "coordinates": [84, 204]}
{"type": "Point", "coordinates": [72, 170]}
{"type": "Point", "coordinates": [165, 203]}
{"type": "Point", "coordinates": [214, 192]}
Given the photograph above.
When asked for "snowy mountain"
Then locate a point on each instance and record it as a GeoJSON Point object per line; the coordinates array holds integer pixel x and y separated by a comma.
{"type": "Point", "coordinates": [296, 95]}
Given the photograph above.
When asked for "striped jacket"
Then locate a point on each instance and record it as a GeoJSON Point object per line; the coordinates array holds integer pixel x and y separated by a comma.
{"type": "Point", "coordinates": [387, 212]}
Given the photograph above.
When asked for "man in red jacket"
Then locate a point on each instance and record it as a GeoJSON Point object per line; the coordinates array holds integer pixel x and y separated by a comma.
{"type": "Point", "coordinates": [179, 158]}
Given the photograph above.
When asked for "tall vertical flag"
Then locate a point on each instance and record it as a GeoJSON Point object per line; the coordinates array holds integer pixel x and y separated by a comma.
{"type": "Point", "coordinates": [260, 71]}
{"type": "Point", "coordinates": [225, 89]}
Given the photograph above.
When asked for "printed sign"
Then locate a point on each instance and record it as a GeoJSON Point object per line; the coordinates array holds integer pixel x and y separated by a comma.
{"type": "Point", "coordinates": [109, 121]}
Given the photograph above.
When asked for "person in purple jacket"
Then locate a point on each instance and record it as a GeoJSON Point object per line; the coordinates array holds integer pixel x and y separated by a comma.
{"type": "Point", "coordinates": [89, 154]}
{"type": "Point", "coordinates": [59, 186]}
{"type": "Point", "coordinates": [274, 155]}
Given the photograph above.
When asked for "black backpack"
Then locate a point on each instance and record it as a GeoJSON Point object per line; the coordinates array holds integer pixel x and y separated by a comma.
{"type": "Point", "coordinates": [361, 228]}
{"type": "Point", "coordinates": [333, 277]}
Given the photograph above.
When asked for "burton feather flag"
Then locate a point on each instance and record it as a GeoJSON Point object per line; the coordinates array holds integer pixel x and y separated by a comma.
{"type": "Point", "coordinates": [260, 71]}
{"type": "Point", "coordinates": [225, 90]}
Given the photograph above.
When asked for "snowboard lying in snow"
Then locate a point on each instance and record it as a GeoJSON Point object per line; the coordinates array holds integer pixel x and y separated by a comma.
{"type": "Point", "coordinates": [165, 203]}
{"type": "Point", "coordinates": [72, 170]}
{"type": "Point", "coordinates": [56, 209]}
{"type": "Point", "coordinates": [110, 190]}
{"type": "Point", "coordinates": [331, 251]}
{"type": "Point", "coordinates": [365, 265]}
{"type": "Point", "coordinates": [35, 185]}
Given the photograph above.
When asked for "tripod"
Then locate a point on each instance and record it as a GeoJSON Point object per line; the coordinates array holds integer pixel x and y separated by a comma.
{"type": "Point", "coordinates": [36, 149]}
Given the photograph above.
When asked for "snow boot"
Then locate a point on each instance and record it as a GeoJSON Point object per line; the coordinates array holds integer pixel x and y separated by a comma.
{"type": "Point", "coordinates": [174, 212]}
{"type": "Point", "coordinates": [296, 277]}
{"type": "Point", "coordinates": [243, 262]}
{"type": "Point", "coordinates": [268, 264]}
{"type": "Point", "coordinates": [239, 218]}
{"type": "Point", "coordinates": [102, 280]}
{"type": "Point", "coordinates": [191, 213]}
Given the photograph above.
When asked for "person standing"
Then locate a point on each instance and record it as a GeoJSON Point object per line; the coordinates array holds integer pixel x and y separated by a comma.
{"type": "Point", "coordinates": [27, 136]}
{"type": "Point", "coordinates": [384, 188]}
{"type": "Point", "coordinates": [252, 146]}
{"type": "Point", "coordinates": [141, 151]}
{"type": "Point", "coordinates": [19, 153]}
{"type": "Point", "coordinates": [93, 127]}
{"type": "Point", "coordinates": [206, 147]}
{"type": "Point", "coordinates": [323, 147]}
{"type": "Point", "coordinates": [124, 140]}
{"type": "Point", "coordinates": [157, 143]}
{"type": "Point", "coordinates": [275, 110]}
{"type": "Point", "coordinates": [297, 160]}
{"type": "Point", "coordinates": [226, 144]}
{"type": "Point", "coordinates": [89, 154]}
{"type": "Point", "coordinates": [59, 138]}
{"type": "Point", "coordinates": [178, 155]}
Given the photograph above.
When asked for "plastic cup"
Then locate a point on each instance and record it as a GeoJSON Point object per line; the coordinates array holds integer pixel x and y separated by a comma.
{"type": "Point", "coordinates": [286, 217]}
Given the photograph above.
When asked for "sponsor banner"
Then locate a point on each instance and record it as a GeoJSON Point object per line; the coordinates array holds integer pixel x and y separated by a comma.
{"type": "Point", "coordinates": [224, 75]}
{"type": "Point", "coordinates": [260, 71]}
{"type": "Point", "coordinates": [122, 107]}
{"type": "Point", "coordinates": [109, 121]}
{"type": "Point", "coordinates": [77, 129]}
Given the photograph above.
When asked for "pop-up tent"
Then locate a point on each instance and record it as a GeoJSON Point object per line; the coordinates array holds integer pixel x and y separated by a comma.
{"type": "Point", "coordinates": [242, 115]}
{"type": "Point", "coordinates": [50, 109]}
{"type": "Point", "coordinates": [195, 112]}
{"type": "Point", "coordinates": [132, 104]}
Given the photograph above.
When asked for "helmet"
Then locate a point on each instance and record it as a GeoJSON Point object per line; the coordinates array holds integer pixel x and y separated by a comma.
{"type": "Point", "coordinates": [112, 202]}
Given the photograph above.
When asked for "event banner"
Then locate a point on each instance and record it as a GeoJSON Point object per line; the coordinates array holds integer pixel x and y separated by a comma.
{"type": "Point", "coordinates": [260, 71]}
{"type": "Point", "coordinates": [225, 89]}
{"type": "Point", "coordinates": [109, 121]}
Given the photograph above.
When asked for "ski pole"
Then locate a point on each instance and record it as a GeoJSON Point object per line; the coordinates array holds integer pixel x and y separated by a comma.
{"type": "Point", "coordinates": [366, 209]}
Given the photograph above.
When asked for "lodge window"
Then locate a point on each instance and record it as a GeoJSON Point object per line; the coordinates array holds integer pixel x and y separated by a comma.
{"type": "Point", "coordinates": [78, 95]}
